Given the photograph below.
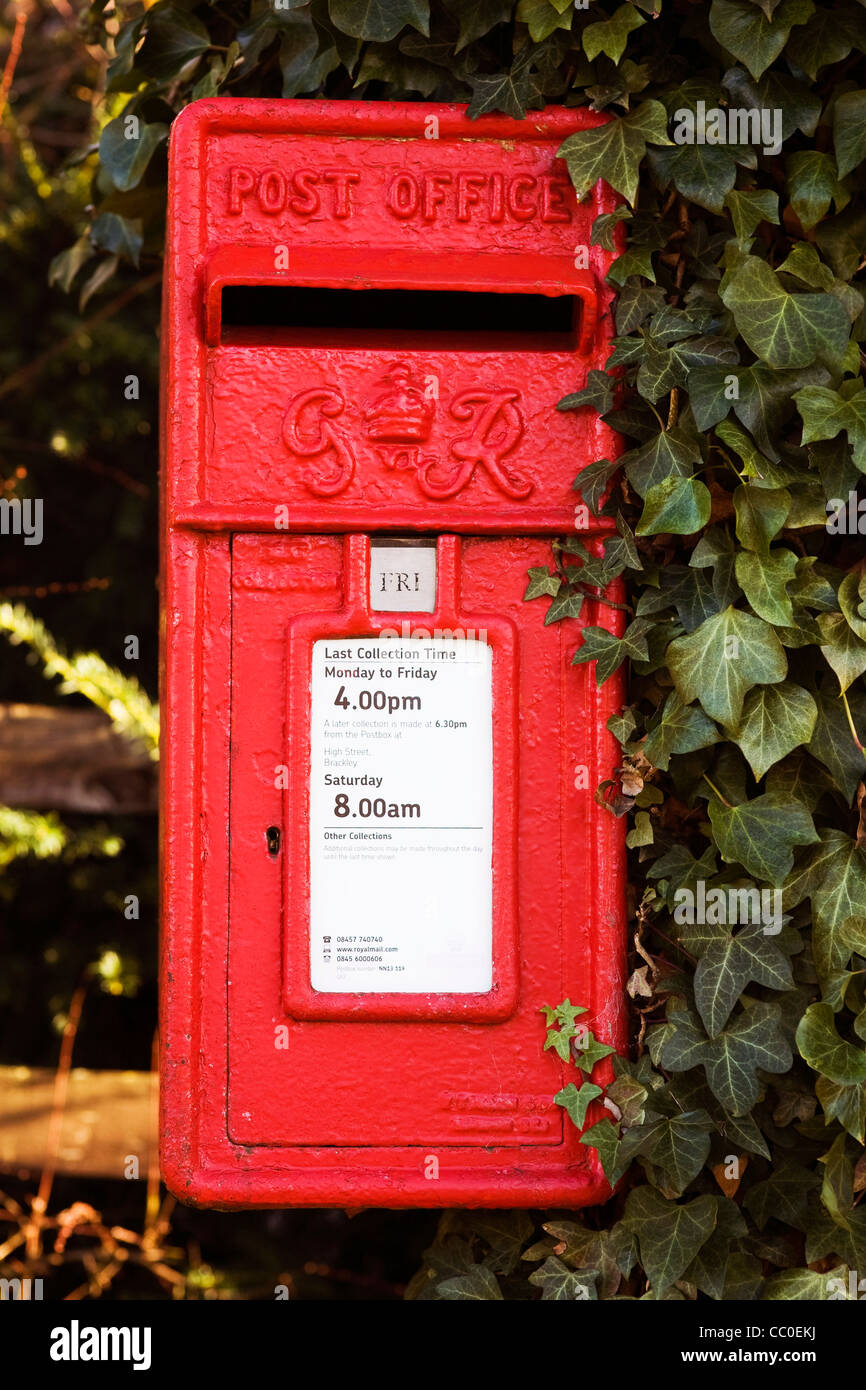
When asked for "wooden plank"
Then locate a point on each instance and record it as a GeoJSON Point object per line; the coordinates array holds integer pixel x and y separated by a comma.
{"type": "Point", "coordinates": [109, 1118]}
{"type": "Point", "coordinates": [66, 759]}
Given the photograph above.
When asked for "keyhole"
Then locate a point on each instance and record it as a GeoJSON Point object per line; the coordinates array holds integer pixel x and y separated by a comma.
{"type": "Point", "coordinates": [272, 835]}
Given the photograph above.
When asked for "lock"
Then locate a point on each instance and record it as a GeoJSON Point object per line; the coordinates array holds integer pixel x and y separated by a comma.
{"type": "Point", "coordinates": [382, 852]}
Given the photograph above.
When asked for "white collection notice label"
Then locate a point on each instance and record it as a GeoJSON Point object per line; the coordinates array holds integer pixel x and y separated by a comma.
{"type": "Point", "coordinates": [401, 815]}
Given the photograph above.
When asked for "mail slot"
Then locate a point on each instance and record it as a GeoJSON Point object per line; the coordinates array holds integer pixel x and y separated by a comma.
{"type": "Point", "coordinates": [382, 854]}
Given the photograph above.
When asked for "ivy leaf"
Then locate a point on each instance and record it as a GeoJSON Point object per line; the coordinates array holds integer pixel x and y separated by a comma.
{"type": "Point", "coordinates": [750, 35]}
{"type": "Point", "coordinates": [825, 414]}
{"type": "Point", "coordinates": [566, 604]}
{"type": "Point", "coordinates": [743, 1278]}
{"type": "Point", "coordinates": [761, 835]}
{"type": "Point", "coordinates": [847, 1104]}
{"type": "Point", "coordinates": [708, 1270]}
{"type": "Point", "coordinates": [566, 1014]}
{"type": "Point", "coordinates": [681, 729]}
{"type": "Point", "coordinates": [693, 595]}
{"type": "Point", "coordinates": [561, 1284]}
{"type": "Point", "coordinates": [614, 151]}
{"type": "Point", "coordinates": [813, 184]}
{"type": "Point", "coordinates": [761, 513]}
{"type": "Point", "coordinates": [832, 744]}
{"type": "Point", "coordinates": [784, 330]}
{"type": "Point", "coordinates": [603, 1137]}
{"type": "Point", "coordinates": [728, 964]}
{"type": "Point", "coordinates": [100, 277]}
{"type": "Point", "coordinates": [776, 719]}
{"type": "Point", "coordinates": [801, 1285]}
{"type": "Point", "coordinates": [672, 452]}
{"type": "Point", "coordinates": [597, 394]}
{"type": "Point", "coordinates": [629, 1095]}
{"type": "Point", "coordinates": [379, 20]}
{"type": "Point", "coordinates": [749, 207]}
{"type": "Point", "coordinates": [512, 91]}
{"type": "Point", "coordinates": [805, 265]}
{"type": "Point", "coordinates": [834, 877]}
{"type": "Point", "coordinates": [481, 1285]}
{"type": "Point", "coordinates": [722, 659]}
{"type": "Point", "coordinates": [610, 36]}
{"type": "Point", "coordinates": [678, 1044]}
{"type": "Point", "coordinates": [849, 131]}
{"type": "Point", "coordinates": [173, 39]}
{"type": "Point", "coordinates": [761, 473]}
{"type": "Point", "coordinates": [754, 1041]}
{"type": "Point", "coordinates": [593, 480]}
{"type": "Point", "coordinates": [575, 1101]}
{"type": "Point", "coordinates": [703, 174]}
{"type": "Point", "coordinates": [220, 66]}
{"type": "Point", "coordinates": [669, 1235]}
{"type": "Point", "coordinates": [477, 17]}
{"type": "Point", "coordinates": [302, 64]}
{"type": "Point", "coordinates": [591, 1052]}
{"type": "Point", "coordinates": [783, 1196]}
{"type": "Point", "coordinates": [843, 649]}
{"type": "Point", "coordinates": [506, 1232]}
{"type": "Point", "coordinates": [609, 652]}
{"type": "Point", "coordinates": [679, 506]}
{"type": "Point", "coordinates": [827, 1053]}
{"type": "Point", "coordinates": [662, 367]}
{"type": "Point", "coordinates": [635, 303]}
{"type": "Point", "coordinates": [854, 935]}
{"type": "Point", "coordinates": [450, 1255]}
{"type": "Point", "coordinates": [837, 1187]}
{"type": "Point", "coordinates": [64, 267]}
{"type": "Point", "coordinates": [641, 832]}
{"type": "Point", "coordinates": [560, 1040]}
{"type": "Point", "coordinates": [679, 1146]}
{"type": "Point", "coordinates": [763, 580]}
{"type": "Point", "coordinates": [125, 158]}
{"type": "Point", "coordinates": [800, 107]}
{"type": "Point", "coordinates": [761, 399]}
{"type": "Point", "coordinates": [851, 601]}
{"type": "Point", "coordinates": [125, 44]}
{"type": "Point", "coordinates": [120, 235]}
{"type": "Point", "coordinates": [541, 582]}
{"type": "Point", "coordinates": [827, 38]}
{"type": "Point", "coordinates": [604, 227]}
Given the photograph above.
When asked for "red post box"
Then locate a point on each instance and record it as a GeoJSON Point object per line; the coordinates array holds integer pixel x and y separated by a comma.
{"type": "Point", "coordinates": [382, 853]}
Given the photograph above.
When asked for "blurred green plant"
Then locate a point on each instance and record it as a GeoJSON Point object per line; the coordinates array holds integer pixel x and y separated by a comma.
{"type": "Point", "coordinates": [120, 697]}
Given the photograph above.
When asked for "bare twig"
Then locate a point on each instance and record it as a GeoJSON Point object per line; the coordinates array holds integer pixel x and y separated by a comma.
{"type": "Point", "coordinates": [12, 58]}
{"type": "Point", "coordinates": [61, 1085]}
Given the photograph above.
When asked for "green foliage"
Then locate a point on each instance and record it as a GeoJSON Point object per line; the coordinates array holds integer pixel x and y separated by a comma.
{"type": "Point", "coordinates": [119, 696]}
{"type": "Point", "coordinates": [736, 379]}
{"type": "Point", "coordinates": [45, 837]}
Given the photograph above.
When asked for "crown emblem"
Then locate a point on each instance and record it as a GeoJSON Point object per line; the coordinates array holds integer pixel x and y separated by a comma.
{"type": "Point", "coordinates": [401, 413]}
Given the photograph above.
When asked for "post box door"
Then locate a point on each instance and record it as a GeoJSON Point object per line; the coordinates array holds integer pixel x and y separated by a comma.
{"type": "Point", "coordinates": [408, 1070]}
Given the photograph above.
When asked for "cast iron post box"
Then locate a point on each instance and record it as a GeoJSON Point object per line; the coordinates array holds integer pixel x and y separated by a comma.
{"type": "Point", "coordinates": [381, 850]}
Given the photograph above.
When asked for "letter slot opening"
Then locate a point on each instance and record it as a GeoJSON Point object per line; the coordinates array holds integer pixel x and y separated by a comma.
{"type": "Point", "coordinates": [289, 315]}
